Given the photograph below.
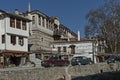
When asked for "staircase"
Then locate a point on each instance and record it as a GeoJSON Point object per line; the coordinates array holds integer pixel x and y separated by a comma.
{"type": "Point", "coordinates": [35, 60]}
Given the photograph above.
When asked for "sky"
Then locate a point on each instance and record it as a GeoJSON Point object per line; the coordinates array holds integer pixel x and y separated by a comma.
{"type": "Point", "coordinates": [71, 13]}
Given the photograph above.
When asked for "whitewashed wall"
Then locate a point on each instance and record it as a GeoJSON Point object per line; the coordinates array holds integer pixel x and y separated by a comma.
{"type": "Point", "coordinates": [5, 28]}
{"type": "Point", "coordinates": [81, 49]}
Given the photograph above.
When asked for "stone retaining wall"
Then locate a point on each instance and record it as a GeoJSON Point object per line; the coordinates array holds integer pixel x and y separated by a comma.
{"type": "Point", "coordinates": [56, 73]}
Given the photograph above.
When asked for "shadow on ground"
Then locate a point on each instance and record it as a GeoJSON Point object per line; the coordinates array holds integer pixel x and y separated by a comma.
{"type": "Point", "coordinates": [102, 76]}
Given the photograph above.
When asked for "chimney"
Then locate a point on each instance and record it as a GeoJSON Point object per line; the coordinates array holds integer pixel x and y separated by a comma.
{"type": "Point", "coordinates": [78, 35]}
{"type": "Point", "coordinates": [16, 11]}
{"type": "Point", "coordinates": [29, 7]}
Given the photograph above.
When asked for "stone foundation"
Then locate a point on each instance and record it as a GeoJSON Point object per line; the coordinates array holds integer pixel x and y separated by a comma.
{"type": "Point", "coordinates": [56, 73]}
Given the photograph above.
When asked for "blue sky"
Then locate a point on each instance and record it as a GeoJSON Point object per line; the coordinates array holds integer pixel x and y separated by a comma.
{"type": "Point", "coordinates": [70, 12]}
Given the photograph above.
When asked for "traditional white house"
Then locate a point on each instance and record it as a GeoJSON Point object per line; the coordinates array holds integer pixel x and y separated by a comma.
{"type": "Point", "coordinates": [43, 31]}
{"type": "Point", "coordinates": [14, 33]}
{"type": "Point", "coordinates": [85, 47]}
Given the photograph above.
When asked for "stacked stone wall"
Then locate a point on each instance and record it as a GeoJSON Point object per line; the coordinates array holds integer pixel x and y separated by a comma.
{"type": "Point", "coordinates": [56, 73]}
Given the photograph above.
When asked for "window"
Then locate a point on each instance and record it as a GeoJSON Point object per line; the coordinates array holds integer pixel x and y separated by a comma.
{"type": "Point", "coordinates": [41, 39]}
{"type": "Point", "coordinates": [13, 39]}
{"type": "Point", "coordinates": [43, 22]}
{"type": "Point", "coordinates": [21, 41]}
{"type": "Point", "coordinates": [3, 38]}
{"type": "Point", "coordinates": [51, 26]}
{"type": "Point", "coordinates": [12, 22]}
{"type": "Point", "coordinates": [33, 20]}
{"type": "Point", "coordinates": [18, 24]}
{"type": "Point", "coordinates": [64, 49]}
{"type": "Point", "coordinates": [59, 49]}
{"type": "Point", "coordinates": [24, 25]}
{"type": "Point", "coordinates": [47, 22]}
{"type": "Point", "coordinates": [73, 50]}
{"type": "Point", "coordinates": [39, 20]}
{"type": "Point", "coordinates": [53, 46]}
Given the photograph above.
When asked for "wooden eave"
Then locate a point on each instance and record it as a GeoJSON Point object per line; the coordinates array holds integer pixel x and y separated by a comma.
{"type": "Point", "coordinates": [17, 16]}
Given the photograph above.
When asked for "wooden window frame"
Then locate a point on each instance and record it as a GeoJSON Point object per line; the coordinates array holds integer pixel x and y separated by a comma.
{"type": "Point", "coordinates": [18, 23]}
{"type": "Point", "coordinates": [13, 39]}
{"type": "Point", "coordinates": [59, 49]}
{"type": "Point", "coordinates": [42, 39]}
{"type": "Point", "coordinates": [12, 22]}
{"type": "Point", "coordinates": [24, 25]}
{"type": "Point", "coordinates": [3, 38]}
{"type": "Point", "coordinates": [47, 22]}
{"type": "Point", "coordinates": [64, 49]}
{"type": "Point", "coordinates": [39, 20]}
{"type": "Point", "coordinates": [33, 19]}
{"type": "Point", "coordinates": [43, 23]}
{"type": "Point", "coordinates": [21, 40]}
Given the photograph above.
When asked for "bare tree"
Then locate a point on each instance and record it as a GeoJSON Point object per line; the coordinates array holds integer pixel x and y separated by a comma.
{"type": "Point", "coordinates": [105, 22]}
